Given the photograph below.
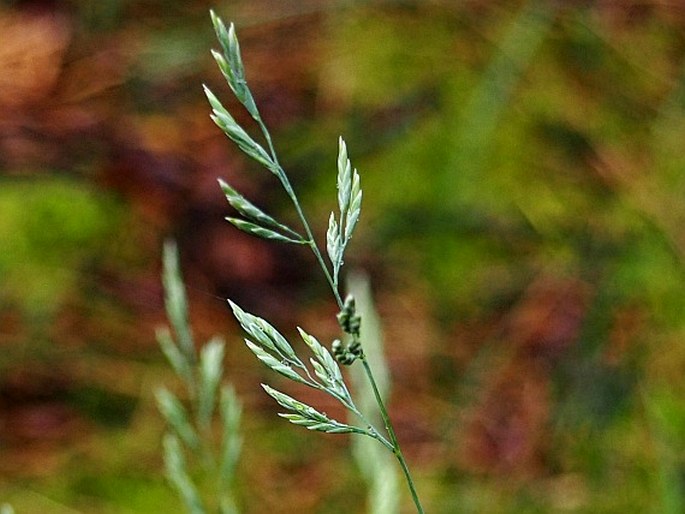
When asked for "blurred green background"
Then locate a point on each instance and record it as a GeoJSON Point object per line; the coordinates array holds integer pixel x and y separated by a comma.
{"type": "Point", "coordinates": [523, 226]}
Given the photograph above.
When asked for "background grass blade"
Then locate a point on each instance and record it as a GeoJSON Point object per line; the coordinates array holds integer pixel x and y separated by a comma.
{"type": "Point", "coordinates": [376, 465]}
{"type": "Point", "coordinates": [479, 117]}
{"type": "Point", "coordinates": [190, 444]}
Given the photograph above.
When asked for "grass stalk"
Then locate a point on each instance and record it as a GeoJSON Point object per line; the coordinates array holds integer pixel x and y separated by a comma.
{"type": "Point", "coordinates": [268, 345]}
{"type": "Point", "coordinates": [396, 449]}
{"type": "Point", "coordinates": [290, 191]}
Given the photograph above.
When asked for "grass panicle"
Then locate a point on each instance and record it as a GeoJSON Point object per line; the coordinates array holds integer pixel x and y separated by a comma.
{"type": "Point", "coordinates": [267, 343]}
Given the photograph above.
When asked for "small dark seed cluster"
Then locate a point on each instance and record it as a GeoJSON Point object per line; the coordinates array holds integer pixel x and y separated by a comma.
{"type": "Point", "coordinates": [350, 323]}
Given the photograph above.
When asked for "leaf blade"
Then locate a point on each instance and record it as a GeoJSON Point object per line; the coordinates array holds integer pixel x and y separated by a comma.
{"type": "Point", "coordinates": [280, 367]}
{"type": "Point", "coordinates": [222, 118]}
{"type": "Point", "coordinates": [177, 417]}
{"type": "Point", "coordinates": [252, 212]}
{"type": "Point", "coordinates": [176, 302]}
{"type": "Point", "coordinates": [233, 69]}
{"type": "Point", "coordinates": [211, 369]}
{"type": "Point", "coordinates": [262, 232]}
{"type": "Point", "coordinates": [264, 333]}
{"type": "Point", "coordinates": [177, 473]}
{"type": "Point", "coordinates": [304, 415]}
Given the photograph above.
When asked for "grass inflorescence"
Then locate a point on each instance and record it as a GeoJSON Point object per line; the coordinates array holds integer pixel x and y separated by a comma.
{"type": "Point", "coordinates": [321, 370]}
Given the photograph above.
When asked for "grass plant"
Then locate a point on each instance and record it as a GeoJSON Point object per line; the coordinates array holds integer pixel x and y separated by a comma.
{"type": "Point", "coordinates": [321, 370]}
{"type": "Point", "coordinates": [192, 459]}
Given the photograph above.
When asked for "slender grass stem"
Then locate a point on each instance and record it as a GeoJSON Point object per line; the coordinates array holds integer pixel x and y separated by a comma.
{"type": "Point", "coordinates": [285, 181]}
{"type": "Point", "coordinates": [310, 238]}
{"type": "Point", "coordinates": [393, 438]}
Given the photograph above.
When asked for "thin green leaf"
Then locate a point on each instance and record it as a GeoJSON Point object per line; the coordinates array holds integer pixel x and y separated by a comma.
{"type": "Point", "coordinates": [344, 178]}
{"type": "Point", "coordinates": [223, 65]}
{"type": "Point", "coordinates": [234, 57]}
{"type": "Point", "coordinates": [235, 132]}
{"type": "Point", "coordinates": [330, 426]}
{"type": "Point", "coordinates": [233, 69]}
{"type": "Point", "coordinates": [177, 474]}
{"type": "Point", "coordinates": [176, 303]}
{"type": "Point", "coordinates": [334, 245]}
{"type": "Point", "coordinates": [321, 373]}
{"type": "Point", "coordinates": [175, 357]}
{"type": "Point", "coordinates": [230, 410]}
{"type": "Point", "coordinates": [177, 417]}
{"type": "Point", "coordinates": [250, 211]}
{"type": "Point", "coordinates": [265, 334]}
{"type": "Point", "coordinates": [354, 207]}
{"type": "Point", "coordinates": [214, 102]}
{"type": "Point", "coordinates": [264, 233]}
{"type": "Point", "coordinates": [281, 367]}
{"type": "Point", "coordinates": [323, 356]}
{"type": "Point", "coordinates": [241, 138]}
{"type": "Point", "coordinates": [471, 149]}
{"type": "Point", "coordinates": [304, 415]}
{"type": "Point", "coordinates": [211, 365]}
{"type": "Point", "coordinates": [221, 32]}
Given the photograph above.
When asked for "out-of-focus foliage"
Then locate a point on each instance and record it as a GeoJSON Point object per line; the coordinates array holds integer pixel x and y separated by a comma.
{"type": "Point", "coordinates": [523, 227]}
{"type": "Point", "coordinates": [48, 228]}
{"type": "Point", "coordinates": [189, 442]}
